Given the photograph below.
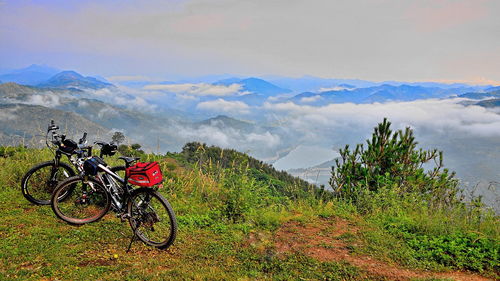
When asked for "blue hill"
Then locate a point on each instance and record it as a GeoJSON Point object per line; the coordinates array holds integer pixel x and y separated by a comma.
{"type": "Point", "coordinates": [31, 75]}
{"type": "Point", "coordinates": [72, 79]}
{"type": "Point", "coordinates": [489, 103]}
{"type": "Point", "coordinates": [481, 95]}
{"type": "Point", "coordinates": [382, 93]}
{"type": "Point", "coordinates": [255, 85]}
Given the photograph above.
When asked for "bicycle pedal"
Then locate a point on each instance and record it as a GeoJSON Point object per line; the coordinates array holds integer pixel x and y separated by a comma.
{"type": "Point", "coordinates": [124, 217]}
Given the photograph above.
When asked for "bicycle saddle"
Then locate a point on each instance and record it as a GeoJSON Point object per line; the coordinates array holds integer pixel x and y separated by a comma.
{"type": "Point", "coordinates": [129, 160]}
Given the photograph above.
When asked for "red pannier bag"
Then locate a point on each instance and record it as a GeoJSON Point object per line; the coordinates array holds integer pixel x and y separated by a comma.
{"type": "Point", "coordinates": [144, 174]}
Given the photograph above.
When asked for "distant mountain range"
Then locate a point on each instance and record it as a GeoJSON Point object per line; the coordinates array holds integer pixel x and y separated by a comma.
{"type": "Point", "coordinates": [255, 91]}
{"type": "Point", "coordinates": [31, 75]}
{"type": "Point", "coordinates": [49, 77]}
{"type": "Point", "coordinates": [382, 93]}
{"type": "Point", "coordinates": [490, 93]}
{"type": "Point", "coordinates": [255, 85]}
{"type": "Point", "coordinates": [71, 79]}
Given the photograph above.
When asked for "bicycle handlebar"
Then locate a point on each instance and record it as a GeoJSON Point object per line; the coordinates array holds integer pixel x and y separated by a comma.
{"type": "Point", "coordinates": [52, 126]}
{"type": "Point", "coordinates": [83, 139]}
{"type": "Point", "coordinates": [58, 140]}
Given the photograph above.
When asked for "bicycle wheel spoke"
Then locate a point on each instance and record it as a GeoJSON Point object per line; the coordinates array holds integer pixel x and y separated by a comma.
{"type": "Point", "coordinates": [42, 182]}
{"type": "Point", "coordinates": [86, 202]}
{"type": "Point", "coordinates": [152, 219]}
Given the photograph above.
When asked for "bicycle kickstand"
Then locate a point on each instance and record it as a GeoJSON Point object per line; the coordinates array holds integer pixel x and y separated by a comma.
{"type": "Point", "coordinates": [132, 241]}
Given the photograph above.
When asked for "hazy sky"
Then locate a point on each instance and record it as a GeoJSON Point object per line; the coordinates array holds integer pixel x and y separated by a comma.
{"type": "Point", "coordinates": [368, 39]}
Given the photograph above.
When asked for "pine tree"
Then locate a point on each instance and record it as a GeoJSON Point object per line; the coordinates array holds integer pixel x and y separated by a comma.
{"type": "Point", "coordinates": [392, 160]}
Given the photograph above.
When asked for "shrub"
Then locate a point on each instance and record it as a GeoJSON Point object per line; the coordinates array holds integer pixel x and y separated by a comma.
{"type": "Point", "coordinates": [133, 150]}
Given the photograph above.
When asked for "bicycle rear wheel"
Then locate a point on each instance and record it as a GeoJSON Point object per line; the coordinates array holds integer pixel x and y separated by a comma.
{"type": "Point", "coordinates": [152, 218]}
{"type": "Point", "coordinates": [40, 181]}
{"type": "Point", "coordinates": [88, 201]}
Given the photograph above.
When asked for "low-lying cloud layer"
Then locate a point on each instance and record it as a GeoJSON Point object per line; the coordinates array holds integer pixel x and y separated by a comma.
{"type": "Point", "coordinates": [123, 97]}
{"type": "Point", "coordinates": [8, 114]}
{"type": "Point", "coordinates": [44, 99]}
{"type": "Point", "coordinates": [198, 89]}
{"type": "Point", "coordinates": [438, 115]}
{"type": "Point", "coordinates": [223, 106]}
{"type": "Point", "coordinates": [259, 143]}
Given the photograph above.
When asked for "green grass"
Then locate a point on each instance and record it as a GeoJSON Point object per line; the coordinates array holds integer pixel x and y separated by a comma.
{"type": "Point", "coordinates": [214, 222]}
{"type": "Point", "coordinates": [35, 244]}
{"type": "Point", "coordinates": [218, 211]}
{"type": "Point", "coordinates": [416, 237]}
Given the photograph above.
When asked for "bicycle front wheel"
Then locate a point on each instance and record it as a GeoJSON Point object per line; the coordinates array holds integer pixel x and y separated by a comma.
{"type": "Point", "coordinates": [41, 180]}
{"type": "Point", "coordinates": [87, 202]}
{"type": "Point", "coordinates": [152, 218]}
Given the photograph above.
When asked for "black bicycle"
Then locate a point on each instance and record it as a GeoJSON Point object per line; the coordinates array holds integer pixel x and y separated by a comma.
{"type": "Point", "coordinates": [99, 189]}
{"type": "Point", "coordinates": [39, 182]}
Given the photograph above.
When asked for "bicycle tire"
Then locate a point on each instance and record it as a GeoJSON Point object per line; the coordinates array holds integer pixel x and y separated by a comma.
{"type": "Point", "coordinates": [40, 194]}
{"type": "Point", "coordinates": [139, 216]}
{"type": "Point", "coordinates": [85, 192]}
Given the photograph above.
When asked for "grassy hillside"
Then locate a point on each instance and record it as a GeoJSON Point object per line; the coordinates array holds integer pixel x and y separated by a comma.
{"type": "Point", "coordinates": [26, 111]}
{"type": "Point", "coordinates": [28, 123]}
{"type": "Point", "coordinates": [235, 224]}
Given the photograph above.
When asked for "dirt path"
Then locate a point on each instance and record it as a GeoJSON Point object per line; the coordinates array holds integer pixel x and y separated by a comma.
{"type": "Point", "coordinates": [325, 241]}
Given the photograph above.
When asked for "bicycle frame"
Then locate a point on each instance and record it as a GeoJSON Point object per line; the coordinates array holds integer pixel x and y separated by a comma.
{"type": "Point", "coordinates": [113, 183]}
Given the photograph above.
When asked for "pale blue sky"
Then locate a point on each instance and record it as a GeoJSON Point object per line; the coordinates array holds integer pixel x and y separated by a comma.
{"type": "Point", "coordinates": [450, 40]}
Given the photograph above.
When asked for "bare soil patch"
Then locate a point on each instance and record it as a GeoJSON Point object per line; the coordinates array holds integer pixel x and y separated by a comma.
{"type": "Point", "coordinates": [330, 240]}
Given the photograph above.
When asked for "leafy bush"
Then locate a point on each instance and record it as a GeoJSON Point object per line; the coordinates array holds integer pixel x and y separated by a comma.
{"type": "Point", "coordinates": [471, 251]}
{"type": "Point", "coordinates": [195, 220]}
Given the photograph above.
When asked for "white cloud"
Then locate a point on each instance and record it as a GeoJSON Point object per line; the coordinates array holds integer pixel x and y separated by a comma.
{"type": "Point", "coordinates": [107, 112]}
{"type": "Point", "coordinates": [335, 88]}
{"type": "Point", "coordinates": [221, 105]}
{"type": "Point", "coordinates": [433, 114]}
{"type": "Point", "coordinates": [187, 97]}
{"type": "Point", "coordinates": [82, 103]}
{"type": "Point", "coordinates": [199, 89]}
{"type": "Point", "coordinates": [47, 99]}
{"type": "Point", "coordinates": [227, 137]}
{"type": "Point", "coordinates": [310, 99]}
{"type": "Point", "coordinates": [123, 97]}
{"type": "Point", "coordinates": [266, 138]}
{"type": "Point", "coordinates": [8, 114]}
{"type": "Point", "coordinates": [135, 102]}
{"type": "Point", "coordinates": [208, 134]}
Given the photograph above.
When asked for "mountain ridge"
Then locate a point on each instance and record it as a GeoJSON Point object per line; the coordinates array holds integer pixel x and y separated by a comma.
{"type": "Point", "coordinates": [255, 85]}
{"type": "Point", "coordinates": [72, 79]}
{"type": "Point", "coordinates": [31, 75]}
